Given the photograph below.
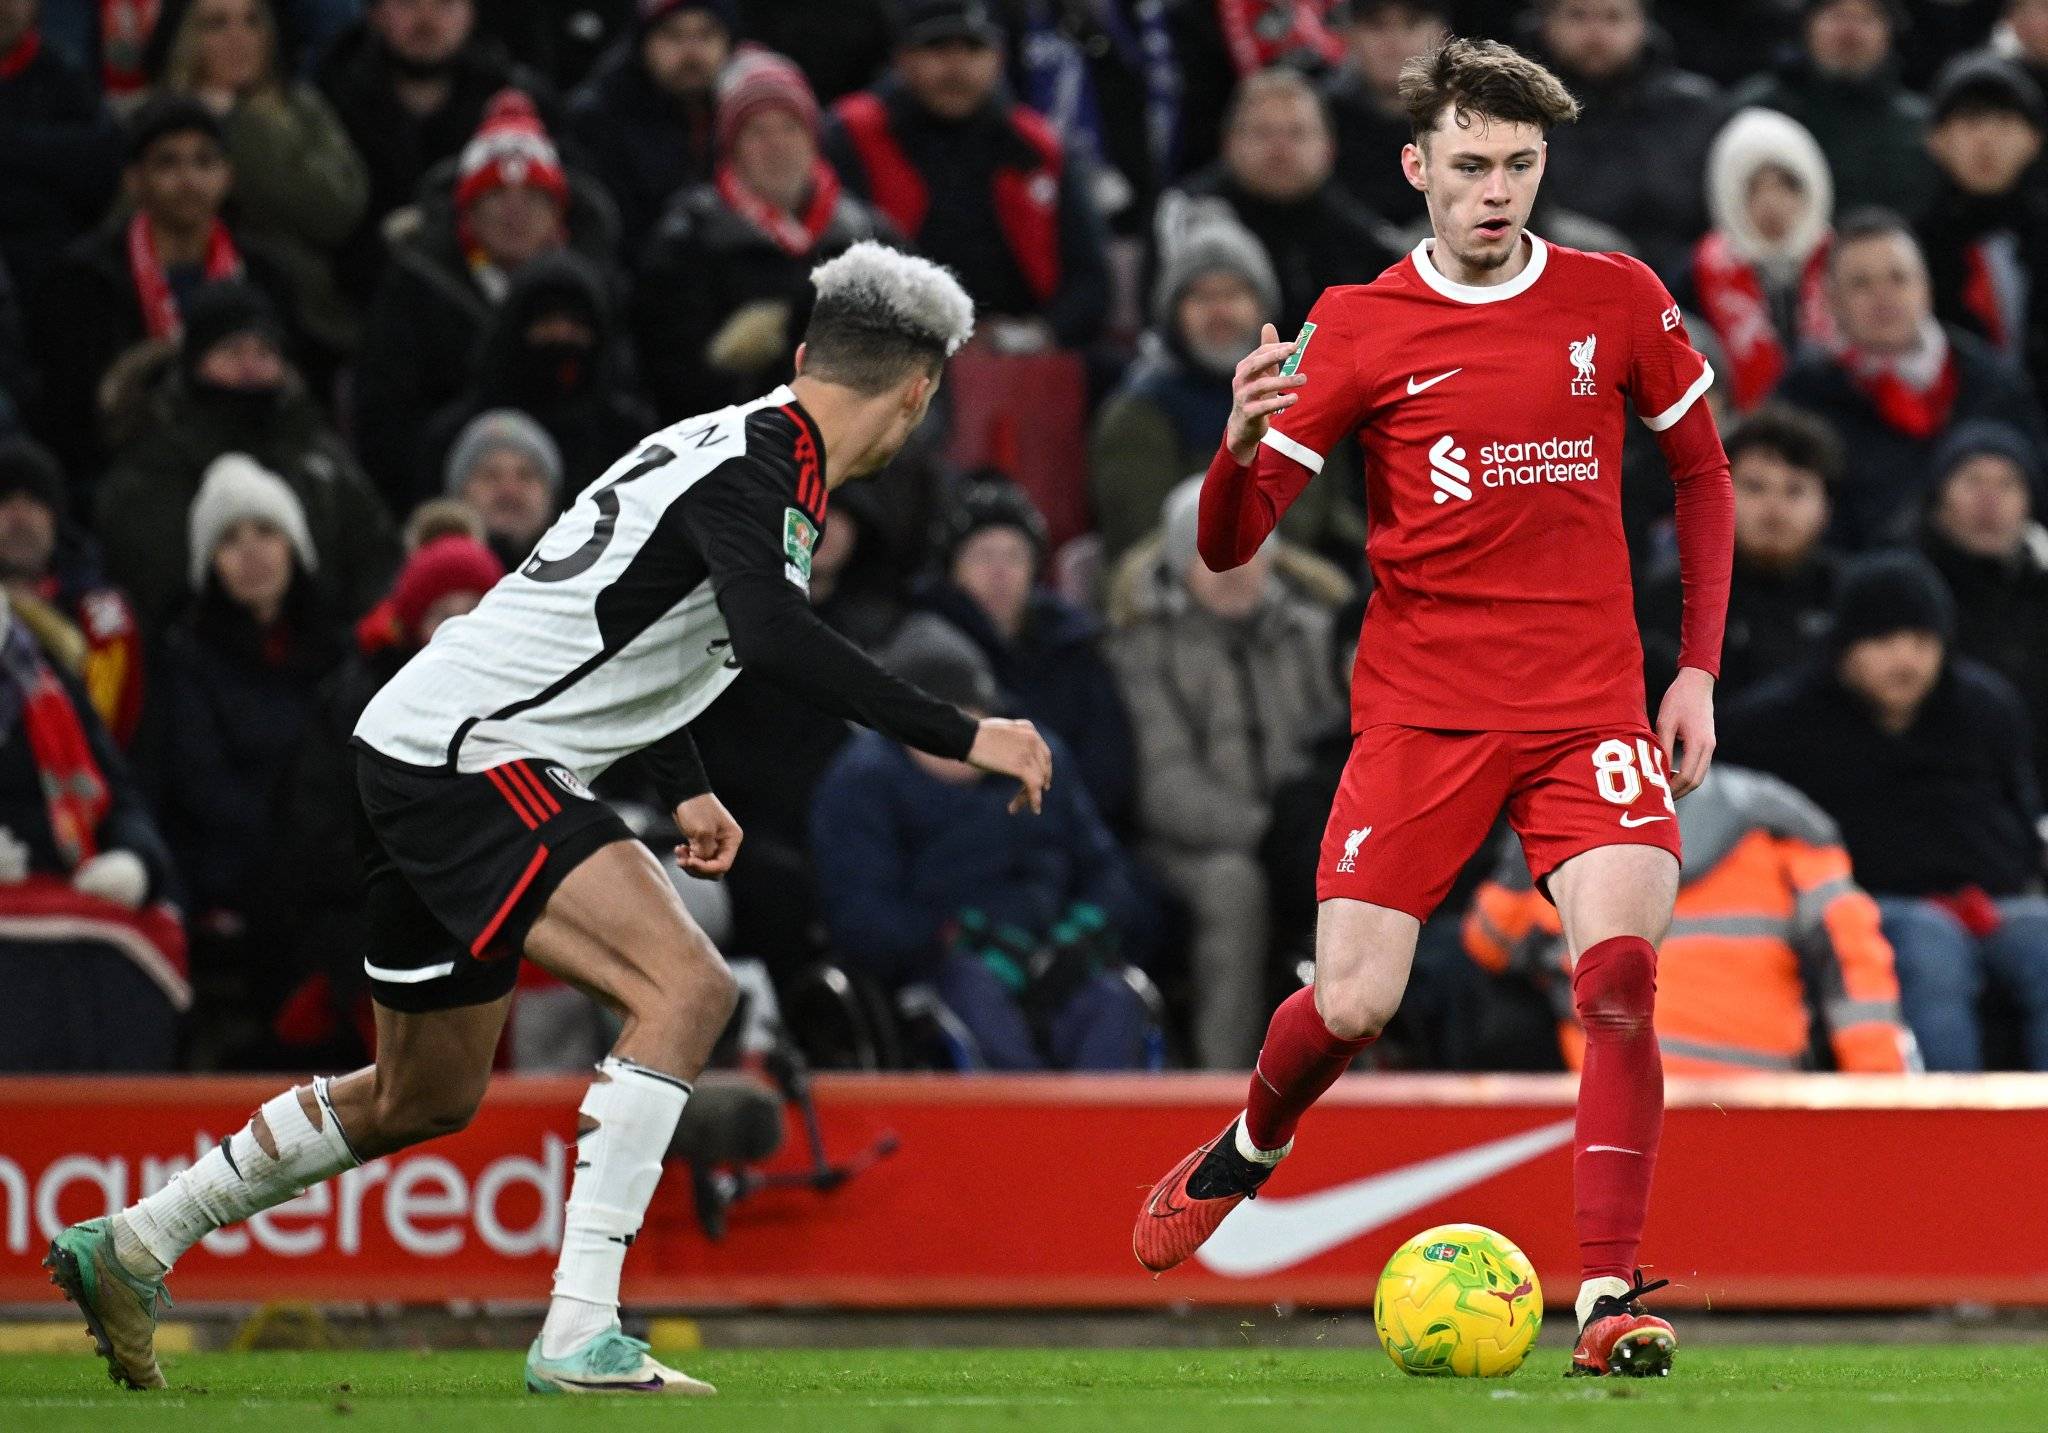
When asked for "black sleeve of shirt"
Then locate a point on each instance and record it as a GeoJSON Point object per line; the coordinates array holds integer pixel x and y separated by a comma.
{"type": "Point", "coordinates": [736, 521]}
{"type": "Point", "coordinates": [675, 768]}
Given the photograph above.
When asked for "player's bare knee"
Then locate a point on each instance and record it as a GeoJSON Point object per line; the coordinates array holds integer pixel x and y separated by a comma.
{"type": "Point", "coordinates": [716, 987]}
{"type": "Point", "coordinates": [406, 1115]}
{"type": "Point", "coordinates": [1350, 1011]}
{"type": "Point", "coordinates": [673, 979]}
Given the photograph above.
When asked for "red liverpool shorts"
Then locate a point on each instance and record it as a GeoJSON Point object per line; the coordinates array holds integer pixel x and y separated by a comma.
{"type": "Point", "coordinates": [1415, 804]}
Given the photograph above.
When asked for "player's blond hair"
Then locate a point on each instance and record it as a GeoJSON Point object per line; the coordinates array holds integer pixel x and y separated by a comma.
{"type": "Point", "coordinates": [1482, 80]}
{"type": "Point", "coordinates": [882, 314]}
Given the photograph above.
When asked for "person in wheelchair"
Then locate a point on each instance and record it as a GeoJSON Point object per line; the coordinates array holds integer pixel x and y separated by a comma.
{"type": "Point", "coordinates": [1012, 923]}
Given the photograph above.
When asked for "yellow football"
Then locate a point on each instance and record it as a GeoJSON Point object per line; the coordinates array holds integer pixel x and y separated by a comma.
{"type": "Point", "coordinates": [1458, 1301]}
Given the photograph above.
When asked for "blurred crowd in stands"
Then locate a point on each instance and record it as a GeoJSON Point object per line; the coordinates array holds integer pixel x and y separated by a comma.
{"type": "Point", "coordinates": [315, 313]}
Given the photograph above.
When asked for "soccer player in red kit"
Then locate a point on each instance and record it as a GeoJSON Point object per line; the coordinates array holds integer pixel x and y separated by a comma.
{"type": "Point", "coordinates": [1489, 376]}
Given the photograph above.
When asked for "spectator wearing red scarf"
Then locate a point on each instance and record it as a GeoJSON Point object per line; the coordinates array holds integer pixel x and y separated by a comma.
{"type": "Point", "coordinates": [127, 282]}
{"type": "Point", "coordinates": [92, 954]}
{"type": "Point", "coordinates": [1759, 275]}
{"type": "Point", "coordinates": [725, 287]}
{"type": "Point", "coordinates": [1896, 381]}
{"type": "Point", "coordinates": [51, 572]}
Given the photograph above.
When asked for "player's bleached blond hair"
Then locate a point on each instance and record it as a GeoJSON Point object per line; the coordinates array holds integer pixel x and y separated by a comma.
{"type": "Point", "coordinates": [879, 312]}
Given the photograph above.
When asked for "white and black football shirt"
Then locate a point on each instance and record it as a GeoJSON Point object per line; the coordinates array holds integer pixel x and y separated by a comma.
{"type": "Point", "coordinates": [688, 559]}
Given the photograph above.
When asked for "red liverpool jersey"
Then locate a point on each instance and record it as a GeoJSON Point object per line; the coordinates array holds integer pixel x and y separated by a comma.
{"type": "Point", "coordinates": [1492, 423]}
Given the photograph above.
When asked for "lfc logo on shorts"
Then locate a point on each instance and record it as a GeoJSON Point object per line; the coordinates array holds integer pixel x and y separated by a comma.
{"type": "Point", "coordinates": [1348, 862]}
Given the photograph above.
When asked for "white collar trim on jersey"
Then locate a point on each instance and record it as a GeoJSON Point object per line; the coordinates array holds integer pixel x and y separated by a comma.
{"type": "Point", "coordinates": [1539, 254]}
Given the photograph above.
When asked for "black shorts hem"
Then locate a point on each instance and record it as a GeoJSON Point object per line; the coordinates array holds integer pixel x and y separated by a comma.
{"type": "Point", "coordinates": [458, 868]}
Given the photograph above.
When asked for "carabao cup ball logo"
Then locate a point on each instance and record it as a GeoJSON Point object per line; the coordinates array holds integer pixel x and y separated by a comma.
{"type": "Point", "coordinates": [1458, 1301]}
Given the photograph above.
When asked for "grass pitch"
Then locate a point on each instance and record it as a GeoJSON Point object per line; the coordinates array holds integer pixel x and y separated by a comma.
{"type": "Point", "coordinates": [1813, 1388]}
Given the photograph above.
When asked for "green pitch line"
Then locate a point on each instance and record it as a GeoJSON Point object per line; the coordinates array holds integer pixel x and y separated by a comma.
{"type": "Point", "coordinates": [1811, 1389]}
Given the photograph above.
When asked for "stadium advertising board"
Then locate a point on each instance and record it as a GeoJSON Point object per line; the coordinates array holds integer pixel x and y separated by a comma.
{"type": "Point", "coordinates": [1017, 1191]}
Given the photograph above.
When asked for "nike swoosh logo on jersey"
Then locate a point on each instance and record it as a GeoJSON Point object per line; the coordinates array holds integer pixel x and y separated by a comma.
{"type": "Point", "coordinates": [1415, 388]}
{"type": "Point", "coordinates": [1266, 1235]}
{"type": "Point", "coordinates": [1634, 821]}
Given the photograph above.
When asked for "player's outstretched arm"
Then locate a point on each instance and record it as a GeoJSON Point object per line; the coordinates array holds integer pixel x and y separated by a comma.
{"type": "Point", "coordinates": [1014, 749]}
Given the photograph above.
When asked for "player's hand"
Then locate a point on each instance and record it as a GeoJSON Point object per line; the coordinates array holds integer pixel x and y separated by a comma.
{"type": "Point", "coordinates": [1014, 748]}
{"type": "Point", "coordinates": [711, 838]}
{"type": "Point", "coordinates": [1258, 390]}
{"type": "Point", "coordinates": [1686, 720]}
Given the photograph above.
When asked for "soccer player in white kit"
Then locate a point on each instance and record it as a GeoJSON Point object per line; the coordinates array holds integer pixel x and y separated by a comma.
{"type": "Point", "coordinates": [688, 560]}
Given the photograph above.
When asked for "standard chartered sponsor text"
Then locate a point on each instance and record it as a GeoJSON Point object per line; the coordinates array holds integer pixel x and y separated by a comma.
{"type": "Point", "coordinates": [1547, 460]}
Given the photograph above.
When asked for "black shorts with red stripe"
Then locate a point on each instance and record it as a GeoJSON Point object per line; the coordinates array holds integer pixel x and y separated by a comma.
{"type": "Point", "coordinates": [459, 866]}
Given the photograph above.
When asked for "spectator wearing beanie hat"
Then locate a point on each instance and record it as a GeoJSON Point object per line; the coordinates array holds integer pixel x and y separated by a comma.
{"type": "Point", "coordinates": [1229, 684]}
{"type": "Point", "coordinates": [508, 199]}
{"type": "Point", "coordinates": [553, 351]}
{"type": "Point", "coordinates": [233, 687]}
{"type": "Point", "coordinates": [129, 281]}
{"type": "Point", "coordinates": [410, 84]}
{"type": "Point", "coordinates": [840, 47]}
{"type": "Point", "coordinates": [1215, 287]}
{"type": "Point", "coordinates": [724, 289]}
{"type": "Point", "coordinates": [232, 392]}
{"type": "Point", "coordinates": [647, 114]}
{"type": "Point", "coordinates": [1759, 275]}
{"type": "Point", "coordinates": [1985, 233]}
{"type": "Point", "coordinates": [506, 469]}
{"type": "Point", "coordinates": [1925, 760]}
{"type": "Point", "coordinates": [51, 575]}
{"type": "Point", "coordinates": [1984, 535]}
{"type": "Point", "coordinates": [1046, 652]}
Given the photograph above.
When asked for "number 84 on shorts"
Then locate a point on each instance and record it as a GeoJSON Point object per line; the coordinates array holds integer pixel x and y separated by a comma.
{"type": "Point", "coordinates": [1416, 802]}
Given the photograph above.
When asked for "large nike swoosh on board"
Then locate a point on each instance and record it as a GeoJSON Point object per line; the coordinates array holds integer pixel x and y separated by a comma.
{"type": "Point", "coordinates": [1266, 1235]}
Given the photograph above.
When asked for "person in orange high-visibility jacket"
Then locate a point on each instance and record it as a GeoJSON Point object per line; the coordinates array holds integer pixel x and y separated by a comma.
{"type": "Point", "coordinates": [1770, 931]}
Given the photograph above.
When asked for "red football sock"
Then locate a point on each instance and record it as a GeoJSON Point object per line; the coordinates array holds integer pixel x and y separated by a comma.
{"type": "Point", "coordinates": [1621, 1102]}
{"type": "Point", "coordinates": [1299, 1060]}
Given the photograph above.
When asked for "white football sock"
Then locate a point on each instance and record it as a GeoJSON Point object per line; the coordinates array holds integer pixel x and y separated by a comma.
{"type": "Point", "coordinates": [618, 1163]}
{"type": "Point", "coordinates": [1252, 1152]}
{"type": "Point", "coordinates": [1593, 1290]}
{"type": "Point", "coordinates": [231, 1181]}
